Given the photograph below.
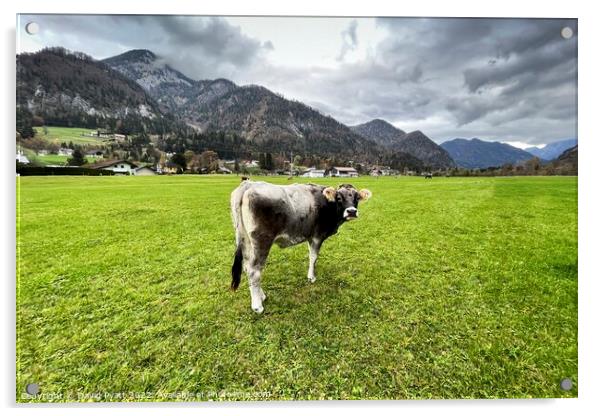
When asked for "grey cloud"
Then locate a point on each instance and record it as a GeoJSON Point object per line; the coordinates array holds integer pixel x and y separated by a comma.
{"type": "Point", "coordinates": [540, 61]}
{"type": "Point", "coordinates": [537, 78]}
{"type": "Point", "coordinates": [201, 47]}
{"type": "Point", "coordinates": [212, 37]}
{"type": "Point", "coordinates": [490, 72]}
{"type": "Point", "coordinates": [415, 74]}
{"type": "Point", "coordinates": [349, 37]}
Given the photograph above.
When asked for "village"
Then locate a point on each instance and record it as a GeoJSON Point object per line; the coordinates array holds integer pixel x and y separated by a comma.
{"type": "Point", "coordinates": [168, 165]}
{"type": "Point", "coordinates": [75, 151]}
{"type": "Point", "coordinates": [108, 156]}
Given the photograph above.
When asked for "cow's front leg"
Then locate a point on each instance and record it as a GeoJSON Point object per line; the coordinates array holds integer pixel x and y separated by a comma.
{"type": "Point", "coordinates": [314, 250]}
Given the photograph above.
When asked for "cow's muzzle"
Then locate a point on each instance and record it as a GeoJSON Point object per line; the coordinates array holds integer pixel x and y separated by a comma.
{"type": "Point", "coordinates": [350, 213]}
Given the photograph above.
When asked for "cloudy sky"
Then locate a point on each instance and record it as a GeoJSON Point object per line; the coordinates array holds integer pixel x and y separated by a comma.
{"type": "Point", "coordinates": [497, 79]}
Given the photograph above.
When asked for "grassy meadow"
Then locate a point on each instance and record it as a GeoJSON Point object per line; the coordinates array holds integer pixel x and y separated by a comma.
{"type": "Point", "coordinates": [59, 135]}
{"type": "Point", "coordinates": [443, 288]}
{"type": "Point", "coordinates": [51, 159]}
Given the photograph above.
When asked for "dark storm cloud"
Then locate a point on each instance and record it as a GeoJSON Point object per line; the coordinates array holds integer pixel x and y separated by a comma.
{"type": "Point", "coordinates": [499, 79]}
{"type": "Point", "coordinates": [540, 61]}
{"type": "Point", "coordinates": [479, 73]}
{"type": "Point", "coordinates": [211, 37]}
{"type": "Point", "coordinates": [201, 47]}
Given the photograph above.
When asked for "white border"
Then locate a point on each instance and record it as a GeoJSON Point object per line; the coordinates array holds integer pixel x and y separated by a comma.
{"type": "Point", "coordinates": [590, 120]}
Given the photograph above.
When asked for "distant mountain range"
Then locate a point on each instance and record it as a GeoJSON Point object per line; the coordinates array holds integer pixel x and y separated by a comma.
{"type": "Point", "coordinates": [253, 112]}
{"type": "Point", "coordinates": [552, 150]}
{"type": "Point", "coordinates": [414, 143]}
{"type": "Point", "coordinates": [140, 91]}
{"type": "Point", "coordinates": [477, 153]}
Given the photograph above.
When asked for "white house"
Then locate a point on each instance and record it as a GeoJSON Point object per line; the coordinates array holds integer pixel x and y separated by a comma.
{"type": "Point", "coordinates": [95, 154]}
{"type": "Point", "coordinates": [383, 171]}
{"type": "Point", "coordinates": [251, 163]}
{"type": "Point", "coordinates": [223, 170]}
{"type": "Point", "coordinates": [343, 172]}
{"type": "Point", "coordinates": [21, 158]}
{"type": "Point", "coordinates": [65, 151]}
{"type": "Point", "coordinates": [313, 173]}
{"type": "Point", "coordinates": [144, 171]}
{"type": "Point", "coordinates": [167, 168]}
{"type": "Point", "coordinates": [120, 167]}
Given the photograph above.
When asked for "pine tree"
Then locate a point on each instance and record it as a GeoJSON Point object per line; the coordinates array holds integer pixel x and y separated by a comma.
{"type": "Point", "coordinates": [77, 158]}
{"type": "Point", "coordinates": [269, 162]}
{"type": "Point", "coordinates": [25, 123]}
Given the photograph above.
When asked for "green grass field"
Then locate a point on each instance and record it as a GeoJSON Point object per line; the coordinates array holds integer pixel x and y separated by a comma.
{"type": "Point", "coordinates": [51, 159]}
{"type": "Point", "coordinates": [59, 135]}
{"type": "Point", "coordinates": [447, 288]}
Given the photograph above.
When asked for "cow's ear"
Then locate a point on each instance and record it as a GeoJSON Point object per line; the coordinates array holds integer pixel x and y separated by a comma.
{"type": "Point", "coordinates": [365, 194]}
{"type": "Point", "coordinates": [330, 193]}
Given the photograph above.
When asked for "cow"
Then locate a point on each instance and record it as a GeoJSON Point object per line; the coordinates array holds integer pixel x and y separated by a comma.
{"type": "Point", "coordinates": [428, 175]}
{"type": "Point", "coordinates": [264, 214]}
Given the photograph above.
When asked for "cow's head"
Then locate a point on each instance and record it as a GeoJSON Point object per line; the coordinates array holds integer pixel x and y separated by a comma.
{"type": "Point", "coordinates": [346, 198]}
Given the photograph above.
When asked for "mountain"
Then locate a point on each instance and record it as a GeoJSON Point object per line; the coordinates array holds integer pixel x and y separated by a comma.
{"type": "Point", "coordinates": [259, 115]}
{"type": "Point", "coordinates": [74, 89]}
{"type": "Point", "coordinates": [146, 69]}
{"type": "Point", "coordinates": [137, 91]}
{"type": "Point", "coordinates": [169, 87]}
{"type": "Point", "coordinates": [566, 163]}
{"type": "Point", "coordinates": [418, 144]}
{"type": "Point", "coordinates": [263, 118]}
{"type": "Point", "coordinates": [380, 131]}
{"type": "Point", "coordinates": [477, 153]}
{"type": "Point", "coordinates": [552, 150]}
{"type": "Point", "coordinates": [414, 143]}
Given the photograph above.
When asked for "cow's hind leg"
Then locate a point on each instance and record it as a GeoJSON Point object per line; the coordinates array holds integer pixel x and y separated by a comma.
{"type": "Point", "coordinates": [257, 259]}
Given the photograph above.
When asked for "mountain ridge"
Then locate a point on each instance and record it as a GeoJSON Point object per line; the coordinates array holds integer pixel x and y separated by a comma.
{"type": "Point", "coordinates": [552, 150]}
{"type": "Point", "coordinates": [57, 84]}
{"type": "Point", "coordinates": [138, 88]}
{"type": "Point", "coordinates": [476, 153]}
{"type": "Point", "coordinates": [415, 143]}
{"type": "Point", "coordinates": [380, 130]}
{"type": "Point", "coordinates": [250, 111]}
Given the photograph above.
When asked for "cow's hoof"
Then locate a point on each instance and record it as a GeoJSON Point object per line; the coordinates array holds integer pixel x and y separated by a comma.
{"type": "Point", "coordinates": [258, 309]}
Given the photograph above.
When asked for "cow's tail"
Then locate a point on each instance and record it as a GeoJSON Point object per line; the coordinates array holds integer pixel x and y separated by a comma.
{"type": "Point", "coordinates": [236, 268]}
{"type": "Point", "coordinates": [236, 208]}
